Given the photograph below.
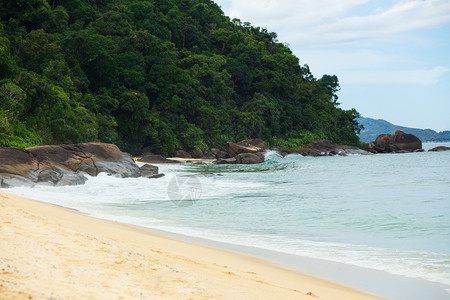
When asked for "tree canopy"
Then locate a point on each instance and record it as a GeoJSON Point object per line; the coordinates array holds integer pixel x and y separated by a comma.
{"type": "Point", "coordinates": [161, 75]}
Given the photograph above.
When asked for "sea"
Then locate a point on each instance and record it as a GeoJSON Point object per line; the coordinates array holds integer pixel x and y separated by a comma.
{"type": "Point", "coordinates": [384, 216]}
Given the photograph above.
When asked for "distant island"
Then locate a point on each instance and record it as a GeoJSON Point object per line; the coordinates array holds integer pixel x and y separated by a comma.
{"type": "Point", "coordinates": [375, 127]}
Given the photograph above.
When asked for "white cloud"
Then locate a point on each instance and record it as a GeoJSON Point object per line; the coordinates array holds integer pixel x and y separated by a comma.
{"type": "Point", "coordinates": [312, 22]}
{"type": "Point", "coordinates": [405, 16]}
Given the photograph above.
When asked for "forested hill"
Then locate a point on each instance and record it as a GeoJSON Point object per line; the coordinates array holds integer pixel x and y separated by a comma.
{"type": "Point", "coordinates": [161, 75]}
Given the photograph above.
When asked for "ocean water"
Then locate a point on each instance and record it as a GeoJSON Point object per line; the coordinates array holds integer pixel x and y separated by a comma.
{"type": "Point", "coordinates": [387, 212]}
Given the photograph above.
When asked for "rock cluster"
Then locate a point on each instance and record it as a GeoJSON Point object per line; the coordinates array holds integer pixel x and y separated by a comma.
{"type": "Point", "coordinates": [243, 152]}
{"type": "Point", "coordinates": [66, 164]}
{"type": "Point", "coordinates": [399, 142]}
{"type": "Point", "coordinates": [327, 148]}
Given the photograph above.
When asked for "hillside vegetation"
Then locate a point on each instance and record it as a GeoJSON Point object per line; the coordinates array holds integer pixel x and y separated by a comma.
{"type": "Point", "coordinates": [161, 75]}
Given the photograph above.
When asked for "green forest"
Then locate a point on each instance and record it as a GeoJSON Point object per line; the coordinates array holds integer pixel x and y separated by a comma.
{"type": "Point", "coordinates": [156, 75]}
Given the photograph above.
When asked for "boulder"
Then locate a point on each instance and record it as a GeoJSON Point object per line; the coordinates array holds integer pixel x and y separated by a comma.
{"type": "Point", "coordinates": [399, 142]}
{"type": "Point", "coordinates": [226, 161]}
{"type": "Point", "coordinates": [156, 176]}
{"type": "Point", "coordinates": [148, 170]}
{"type": "Point", "coordinates": [250, 158]}
{"type": "Point", "coordinates": [321, 148]}
{"type": "Point", "coordinates": [208, 155]}
{"type": "Point", "coordinates": [157, 159]}
{"type": "Point", "coordinates": [182, 154]}
{"type": "Point", "coordinates": [440, 148]}
{"type": "Point", "coordinates": [197, 153]}
{"type": "Point", "coordinates": [218, 153]}
{"type": "Point", "coordinates": [63, 164]}
{"type": "Point", "coordinates": [250, 146]}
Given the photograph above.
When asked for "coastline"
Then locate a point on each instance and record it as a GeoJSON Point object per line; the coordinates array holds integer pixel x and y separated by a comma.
{"type": "Point", "coordinates": [47, 251]}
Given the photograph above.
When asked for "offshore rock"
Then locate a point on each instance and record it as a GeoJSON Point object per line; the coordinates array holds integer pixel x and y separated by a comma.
{"type": "Point", "coordinates": [149, 170]}
{"type": "Point", "coordinates": [440, 148]}
{"type": "Point", "coordinates": [328, 148]}
{"type": "Point", "coordinates": [250, 158]}
{"type": "Point", "coordinates": [63, 164]}
{"type": "Point", "coordinates": [399, 142]}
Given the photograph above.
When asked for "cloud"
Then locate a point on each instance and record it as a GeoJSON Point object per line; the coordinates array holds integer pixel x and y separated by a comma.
{"type": "Point", "coordinates": [405, 16]}
{"type": "Point", "coordinates": [308, 22]}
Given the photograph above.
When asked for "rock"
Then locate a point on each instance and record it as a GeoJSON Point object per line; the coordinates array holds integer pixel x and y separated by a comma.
{"type": "Point", "coordinates": [63, 164]}
{"type": "Point", "coordinates": [250, 158]}
{"type": "Point", "coordinates": [157, 159]}
{"type": "Point", "coordinates": [71, 179]}
{"type": "Point", "coordinates": [226, 161]}
{"type": "Point", "coordinates": [182, 154]}
{"type": "Point", "coordinates": [18, 161]}
{"type": "Point", "coordinates": [10, 180]}
{"type": "Point", "coordinates": [49, 176]}
{"type": "Point", "coordinates": [218, 153]}
{"type": "Point", "coordinates": [440, 148]}
{"type": "Point", "coordinates": [320, 148]}
{"type": "Point", "coordinates": [209, 155]}
{"type": "Point", "coordinates": [197, 153]}
{"type": "Point", "coordinates": [157, 176]}
{"type": "Point", "coordinates": [149, 170]}
{"type": "Point", "coordinates": [251, 146]}
{"type": "Point", "coordinates": [399, 142]}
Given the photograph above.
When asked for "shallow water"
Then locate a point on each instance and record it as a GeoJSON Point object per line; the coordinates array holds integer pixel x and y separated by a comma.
{"type": "Point", "coordinates": [388, 212]}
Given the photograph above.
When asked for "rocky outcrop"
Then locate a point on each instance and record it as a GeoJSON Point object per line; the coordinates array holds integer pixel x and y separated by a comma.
{"type": "Point", "coordinates": [399, 142]}
{"type": "Point", "coordinates": [157, 159]}
{"type": "Point", "coordinates": [197, 153]}
{"type": "Point", "coordinates": [243, 152]}
{"type": "Point", "coordinates": [150, 171]}
{"type": "Point", "coordinates": [250, 146]}
{"type": "Point", "coordinates": [250, 158]}
{"type": "Point", "coordinates": [326, 148]}
{"type": "Point", "coordinates": [440, 148]}
{"type": "Point", "coordinates": [63, 164]}
{"type": "Point", "coordinates": [219, 154]}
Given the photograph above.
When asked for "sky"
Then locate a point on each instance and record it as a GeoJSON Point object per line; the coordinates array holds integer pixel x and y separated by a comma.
{"type": "Point", "coordinates": [392, 58]}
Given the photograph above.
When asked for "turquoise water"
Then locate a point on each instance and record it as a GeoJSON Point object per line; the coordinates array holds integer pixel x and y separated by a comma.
{"type": "Point", "coordinates": [388, 212]}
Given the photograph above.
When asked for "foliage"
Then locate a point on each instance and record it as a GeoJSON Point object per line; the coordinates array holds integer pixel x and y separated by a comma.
{"type": "Point", "coordinates": [160, 75]}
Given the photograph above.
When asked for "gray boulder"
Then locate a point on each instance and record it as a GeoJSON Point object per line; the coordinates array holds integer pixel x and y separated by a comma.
{"type": "Point", "coordinates": [63, 164]}
{"type": "Point", "coordinates": [250, 158]}
{"type": "Point", "coordinates": [149, 170]}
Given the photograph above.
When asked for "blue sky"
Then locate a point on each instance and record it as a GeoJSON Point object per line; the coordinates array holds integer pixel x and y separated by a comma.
{"type": "Point", "coordinates": [392, 58]}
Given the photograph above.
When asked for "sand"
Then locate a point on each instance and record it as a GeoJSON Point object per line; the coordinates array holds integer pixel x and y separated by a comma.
{"type": "Point", "coordinates": [49, 252]}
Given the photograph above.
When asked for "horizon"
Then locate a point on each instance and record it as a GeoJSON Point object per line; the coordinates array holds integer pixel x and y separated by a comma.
{"type": "Point", "coordinates": [388, 66]}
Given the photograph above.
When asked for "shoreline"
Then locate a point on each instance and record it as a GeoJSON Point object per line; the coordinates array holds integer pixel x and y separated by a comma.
{"type": "Point", "coordinates": [49, 251]}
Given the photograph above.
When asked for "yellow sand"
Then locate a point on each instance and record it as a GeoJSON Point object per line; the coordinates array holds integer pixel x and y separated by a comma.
{"type": "Point", "coordinates": [49, 252]}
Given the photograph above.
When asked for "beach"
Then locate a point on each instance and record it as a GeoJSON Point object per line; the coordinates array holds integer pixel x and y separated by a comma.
{"type": "Point", "coordinates": [47, 251]}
